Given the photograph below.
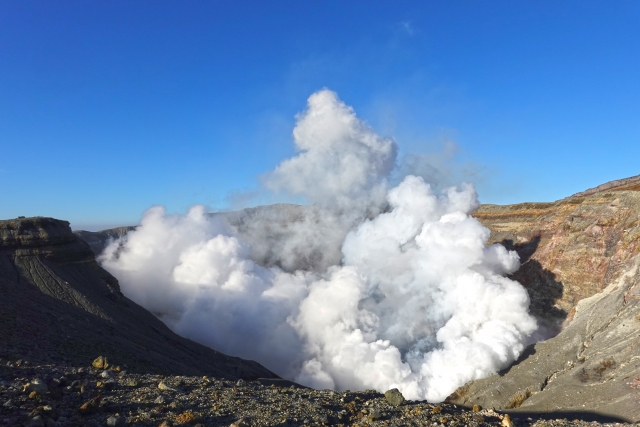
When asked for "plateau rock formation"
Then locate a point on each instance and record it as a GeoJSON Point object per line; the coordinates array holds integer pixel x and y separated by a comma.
{"type": "Point", "coordinates": [58, 305]}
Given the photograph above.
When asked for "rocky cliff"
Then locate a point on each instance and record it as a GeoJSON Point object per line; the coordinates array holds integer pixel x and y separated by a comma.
{"type": "Point", "coordinates": [57, 304]}
{"type": "Point", "coordinates": [570, 249]}
{"type": "Point", "coordinates": [580, 265]}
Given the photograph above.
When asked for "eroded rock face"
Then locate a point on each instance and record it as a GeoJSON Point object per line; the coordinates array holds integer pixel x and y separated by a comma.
{"type": "Point", "coordinates": [581, 259]}
{"type": "Point", "coordinates": [58, 304]}
{"type": "Point", "coordinates": [570, 249]}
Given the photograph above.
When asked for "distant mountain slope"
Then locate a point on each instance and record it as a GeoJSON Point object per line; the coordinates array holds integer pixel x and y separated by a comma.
{"type": "Point", "coordinates": [625, 184]}
{"type": "Point", "coordinates": [57, 303]}
{"type": "Point", "coordinates": [98, 240]}
{"type": "Point", "coordinates": [248, 222]}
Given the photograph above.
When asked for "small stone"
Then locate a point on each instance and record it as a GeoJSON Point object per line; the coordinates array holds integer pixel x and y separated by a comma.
{"type": "Point", "coordinates": [394, 397]}
{"type": "Point", "coordinates": [100, 363]}
{"type": "Point", "coordinates": [106, 374]}
{"type": "Point", "coordinates": [175, 405]}
{"type": "Point", "coordinates": [240, 423]}
{"type": "Point", "coordinates": [166, 423]}
{"type": "Point", "coordinates": [90, 405]}
{"type": "Point", "coordinates": [477, 408]}
{"type": "Point", "coordinates": [37, 385]}
{"type": "Point", "coordinates": [240, 382]}
{"type": "Point", "coordinates": [160, 400]}
{"type": "Point", "coordinates": [8, 403]}
{"type": "Point", "coordinates": [163, 386]}
{"type": "Point", "coordinates": [33, 395]}
{"type": "Point", "coordinates": [186, 418]}
{"type": "Point", "coordinates": [506, 421]}
{"type": "Point", "coordinates": [116, 421]}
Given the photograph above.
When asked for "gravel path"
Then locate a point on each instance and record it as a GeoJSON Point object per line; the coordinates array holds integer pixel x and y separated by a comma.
{"type": "Point", "coordinates": [56, 395]}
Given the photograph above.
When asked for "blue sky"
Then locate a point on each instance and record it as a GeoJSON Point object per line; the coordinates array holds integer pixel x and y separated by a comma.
{"type": "Point", "coordinates": [109, 107]}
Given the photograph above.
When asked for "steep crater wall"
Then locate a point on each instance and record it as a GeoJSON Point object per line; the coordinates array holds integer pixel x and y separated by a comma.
{"type": "Point", "coordinates": [58, 304]}
{"type": "Point", "coordinates": [581, 259]}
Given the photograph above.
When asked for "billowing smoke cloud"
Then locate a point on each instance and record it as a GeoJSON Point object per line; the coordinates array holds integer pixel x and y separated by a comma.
{"type": "Point", "coordinates": [371, 287]}
{"type": "Point", "coordinates": [342, 162]}
{"type": "Point", "coordinates": [342, 169]}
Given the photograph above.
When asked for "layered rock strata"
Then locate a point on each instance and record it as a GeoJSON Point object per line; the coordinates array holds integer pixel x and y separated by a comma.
{"type": "Point", "coordinates": [581, 259]}
{"type": "Point", "coordinates": [570, 249]}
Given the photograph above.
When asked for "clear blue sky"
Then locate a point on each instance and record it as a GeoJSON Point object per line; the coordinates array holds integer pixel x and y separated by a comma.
{"type": "Point", "coordinates": [109, 107]}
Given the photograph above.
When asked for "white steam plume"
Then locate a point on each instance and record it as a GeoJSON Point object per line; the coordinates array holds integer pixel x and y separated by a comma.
{"type": "Point", "coordinates": [369, 288]}
{"type": "Point", "coordinates": [342, 160]}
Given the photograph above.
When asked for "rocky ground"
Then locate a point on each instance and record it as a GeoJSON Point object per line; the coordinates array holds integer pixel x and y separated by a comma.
{"type": "Point", "coordinates": [56, 395]}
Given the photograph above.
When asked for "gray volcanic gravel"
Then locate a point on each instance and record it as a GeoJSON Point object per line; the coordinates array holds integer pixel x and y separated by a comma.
{"type": "Point", "coordinates": [57, 395]}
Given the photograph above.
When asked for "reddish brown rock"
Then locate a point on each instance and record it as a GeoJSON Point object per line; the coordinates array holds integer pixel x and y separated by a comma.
{"type": "Point", "coordinates": [581, 265]}
{"type": "Point", "coordinates": [570, 249]}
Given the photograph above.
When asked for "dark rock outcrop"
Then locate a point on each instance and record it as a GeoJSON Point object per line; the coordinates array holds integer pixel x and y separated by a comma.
{"type": "Point", "coordinates": [58, 304]}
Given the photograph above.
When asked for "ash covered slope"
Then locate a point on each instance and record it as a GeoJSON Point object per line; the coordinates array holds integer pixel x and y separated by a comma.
{"type": "Point", "coordinates": [581, 258]}
{"type": "Point", "coordinates": [58, 304]}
